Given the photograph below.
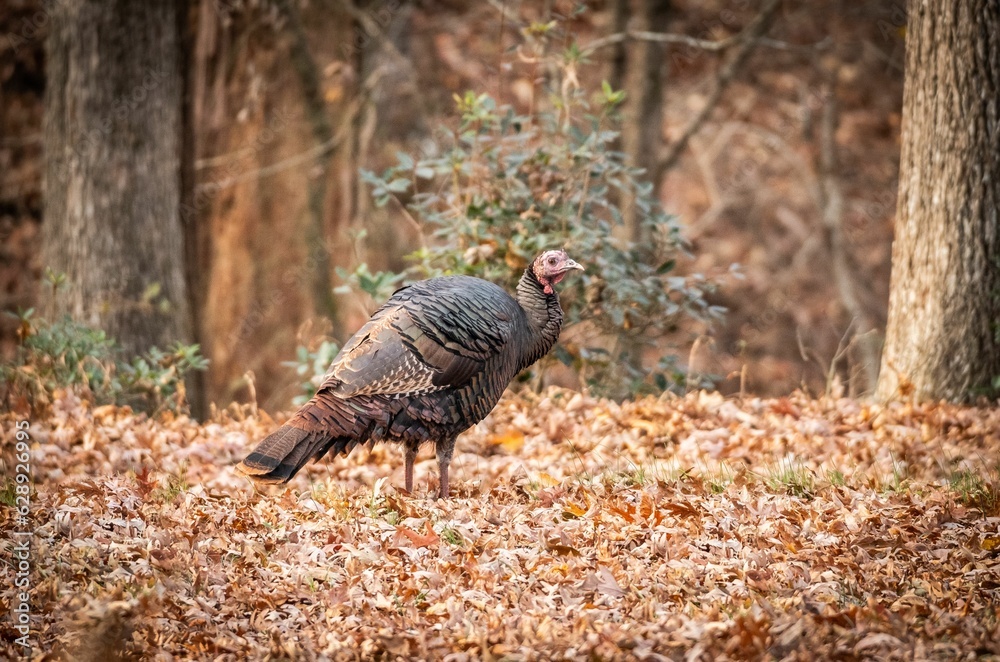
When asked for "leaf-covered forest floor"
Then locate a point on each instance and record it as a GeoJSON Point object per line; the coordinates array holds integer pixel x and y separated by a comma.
{"type": "Point", "coordinates": [694, 528]}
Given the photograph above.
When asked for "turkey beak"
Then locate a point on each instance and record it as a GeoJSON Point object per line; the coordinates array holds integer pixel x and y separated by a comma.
{"type": "Point", "coordinates": [571, 264]}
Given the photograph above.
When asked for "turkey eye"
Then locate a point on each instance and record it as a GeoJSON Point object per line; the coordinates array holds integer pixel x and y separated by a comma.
{"type": "Point", "coordinates": [552, 261]}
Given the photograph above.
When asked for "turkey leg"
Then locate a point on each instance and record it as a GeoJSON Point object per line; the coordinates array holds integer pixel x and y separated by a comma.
{"type": "Point", "coordinates": [411, 455]}
{"type": "Point", "coordinates": [444, 451]}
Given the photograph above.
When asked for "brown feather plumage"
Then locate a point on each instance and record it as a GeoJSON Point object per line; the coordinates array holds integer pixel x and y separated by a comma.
{"type": "Point", "coordinates": [429, 364]}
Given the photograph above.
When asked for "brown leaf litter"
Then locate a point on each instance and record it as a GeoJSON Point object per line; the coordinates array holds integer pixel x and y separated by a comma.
{"type": "Point", "coordinates": [694, 528]}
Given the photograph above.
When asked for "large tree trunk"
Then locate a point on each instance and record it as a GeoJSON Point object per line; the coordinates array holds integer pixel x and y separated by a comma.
{"type": "Point", "coordinates": [112, 139]}
{"type": "Point", "coordinates": [194, 236]}
{"type": "Point", "coordinates": [944, 306]}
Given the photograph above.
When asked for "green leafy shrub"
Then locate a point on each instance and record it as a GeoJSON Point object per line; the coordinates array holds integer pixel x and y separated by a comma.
{"type": "Point", "coordinates": [504, 187]}
{"type": "Point", "coordinates": [66, 354]}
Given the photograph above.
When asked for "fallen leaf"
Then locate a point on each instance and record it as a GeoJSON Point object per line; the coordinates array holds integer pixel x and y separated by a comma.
{"type": "Point", "coordinates": [417, 540]}
{"type": "Point", "coordinates": [511, 441]}
{"type": "Point", "coordinates": [603, 582]}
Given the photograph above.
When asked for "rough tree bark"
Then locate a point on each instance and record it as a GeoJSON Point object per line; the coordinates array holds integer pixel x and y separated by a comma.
{"type": "Point", "coordinates": [195, 241]}
{"type": "Point", "coordinates": [944, 305]}
{"type": "Point", "coordinates": [112, 191]}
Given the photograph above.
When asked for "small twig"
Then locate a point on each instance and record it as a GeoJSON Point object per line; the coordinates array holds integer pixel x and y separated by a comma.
{"type": "Point", "coordinates": [408, 217]}
{"type": "Point", "coordinates": [749, 39]}
{"type": "Point", "coordinates": [222, 159]}
{"type": "Point", "coordinates": [806, 353]}
{"type": "Point", "coordinates": [821, 45]}
{"type": "Point", "coordinates": [691, 362]}
{"type": "Point", "coordinates": [703, 44]}
{"type": "Point", "coordinates": [249, 377]}
{"type": "Point", "coordinates": [303, 158]}
{"type": "Point", "coordinates": [663, 38]}
{"type": "Point", "coordinates": [373, 29]}
{"type": "Point", "coordinates": [843, 345]}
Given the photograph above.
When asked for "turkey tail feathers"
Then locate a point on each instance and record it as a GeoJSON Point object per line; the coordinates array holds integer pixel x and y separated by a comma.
{"type": "Point", "coordinates": [272, 450]}
{"type": "Point", "coordinates": [281, 454]}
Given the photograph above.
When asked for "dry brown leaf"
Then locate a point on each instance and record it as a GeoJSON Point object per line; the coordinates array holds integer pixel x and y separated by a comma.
{"type": "Point", "coordinates": [428, 540]}
{"type": "Point", "coordinates": [511, 441]}
{"type": "Point", "coordinates": [604, 532]}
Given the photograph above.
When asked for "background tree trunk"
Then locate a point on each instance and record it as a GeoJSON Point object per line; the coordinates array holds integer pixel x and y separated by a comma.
{"type": "Point", "coordinates": [264, 103]}
{"type": "Point", "coordinates": [642, 132]}
{"type": "Point", "coordinates": [112, 140]}
{"type": "Point", "coordinates": [195, 241]}
{"type": "Point", "coordinates": [649, 113]}
{"type": "Point", "coordinates": [944, 306]}
{"type": "Point", "coordinates": [620, 13]}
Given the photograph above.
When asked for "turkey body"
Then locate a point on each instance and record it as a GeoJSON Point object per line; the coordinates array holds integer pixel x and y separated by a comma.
{"type": "Point", "coordinates": [430, 363]}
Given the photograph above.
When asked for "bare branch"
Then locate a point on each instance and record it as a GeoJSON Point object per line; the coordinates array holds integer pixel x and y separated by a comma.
{"type": "Point", "coordinates": [307, 157]}
{"type": "Point", "coordinates": [748, 39]}
{"type": "Point", "coordinates": [821, 45]}
{"type": "Point", "coordinates": [663, 38]}
{"type": "Point", "coordinates": [371, 26]}
{"type": "Point", "coordinates": [707, 45]}
{"type": "Point", "coordinates": [310, 155]}
{"type": "Point", "coordinates": [222, 159]}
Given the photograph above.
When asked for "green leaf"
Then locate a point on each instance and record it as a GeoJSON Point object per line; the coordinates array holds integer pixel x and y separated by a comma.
{"type": "Point", "coordinates": [151, 292]}
{"type": "Point", "coordinates": [666, 266]}
{"type": "Point", "coordinates": [508, 186]}
{"type": "Point", "coordinates": [398, 185]}
{"type": "Point", "coordinates": [405, 160]}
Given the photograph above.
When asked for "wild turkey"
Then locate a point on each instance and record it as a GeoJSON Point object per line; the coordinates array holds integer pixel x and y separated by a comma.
{"type": "Point", "coordinates": [430, 363]}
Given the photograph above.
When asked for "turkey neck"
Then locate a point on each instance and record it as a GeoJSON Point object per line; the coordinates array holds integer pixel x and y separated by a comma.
{"type": "Point", "coordinates": [544, 315]}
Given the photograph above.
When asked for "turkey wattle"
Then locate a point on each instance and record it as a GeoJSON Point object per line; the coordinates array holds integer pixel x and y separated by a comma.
{"type": "Point", "coordinates": [430, 363]}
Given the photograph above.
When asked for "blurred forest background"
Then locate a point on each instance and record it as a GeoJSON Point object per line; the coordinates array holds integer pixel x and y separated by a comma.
{"type": "Point", "coordinates": [771, 130]}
